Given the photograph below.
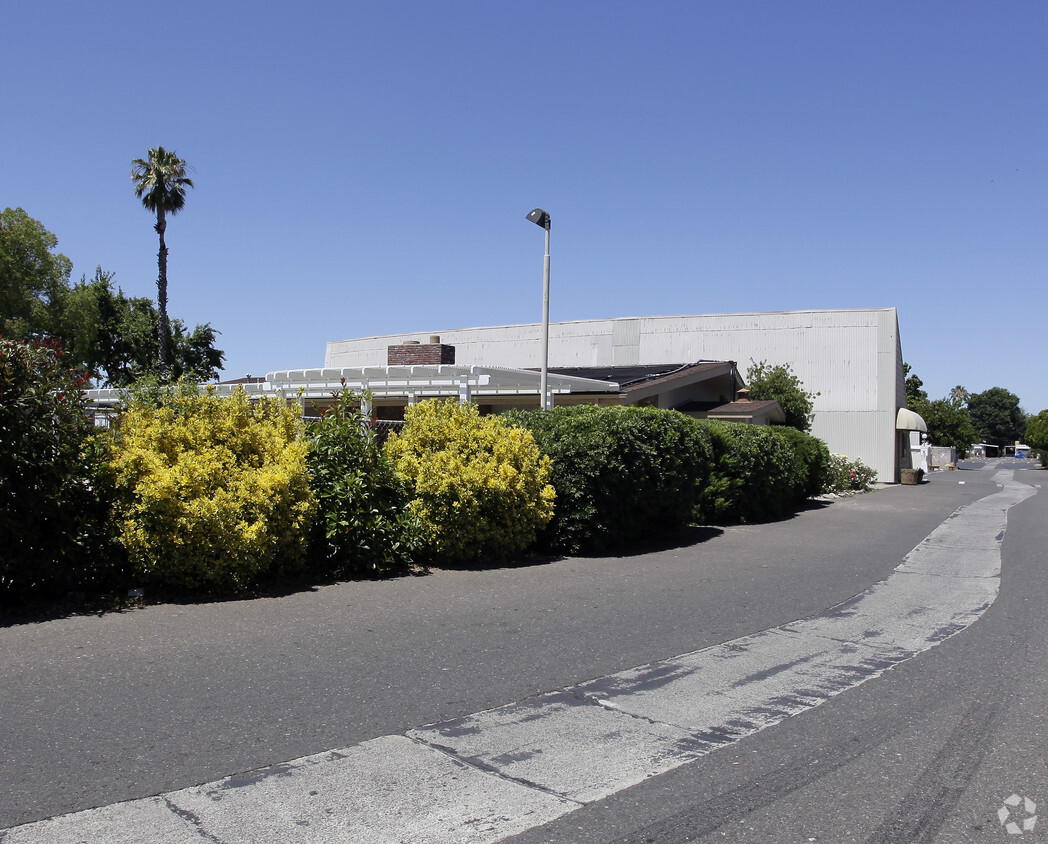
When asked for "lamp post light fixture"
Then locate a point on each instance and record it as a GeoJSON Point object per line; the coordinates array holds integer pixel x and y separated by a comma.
{"type": "Point", "coordinates": [541, 218]}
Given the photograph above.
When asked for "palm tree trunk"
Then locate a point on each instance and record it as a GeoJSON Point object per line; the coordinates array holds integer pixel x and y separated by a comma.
{"type": "Point", "coordinates": [161, 297]}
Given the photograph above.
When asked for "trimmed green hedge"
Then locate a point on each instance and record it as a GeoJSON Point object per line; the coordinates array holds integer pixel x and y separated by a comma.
{"type": "Point", "coordinates": [760, 472]}
{"type": "Point", "coordinates": [621, 473]}
{"type": "Point", "coordinates": [812, 462]}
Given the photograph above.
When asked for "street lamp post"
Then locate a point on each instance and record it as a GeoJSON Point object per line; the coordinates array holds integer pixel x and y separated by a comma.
{"type": "Point", "coordinates": [541, 218]}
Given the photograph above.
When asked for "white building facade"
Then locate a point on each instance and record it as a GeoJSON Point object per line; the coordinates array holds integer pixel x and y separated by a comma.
{"type": "Point", "coordinates": [851, 358]}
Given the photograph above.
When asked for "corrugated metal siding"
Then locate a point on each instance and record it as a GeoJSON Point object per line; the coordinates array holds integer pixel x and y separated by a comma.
{"type": "Point", "coordinates": [625, 334]}
{"type": "Point", "coordinates": [887, 335]}
{"type": "Point", "coordinates": [859, 435]}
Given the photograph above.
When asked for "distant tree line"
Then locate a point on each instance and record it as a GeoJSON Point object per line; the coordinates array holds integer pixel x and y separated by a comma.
{"type": "Point", "coordinates": [962, 419]}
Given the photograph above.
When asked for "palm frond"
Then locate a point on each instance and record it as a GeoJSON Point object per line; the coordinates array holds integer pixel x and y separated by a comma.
{"type": "Point", "coordinates": [161, 181]}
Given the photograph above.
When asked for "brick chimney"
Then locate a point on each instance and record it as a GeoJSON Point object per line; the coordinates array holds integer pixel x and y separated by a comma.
{"type": "Point", "coordinates": [412, 352]}
{"type": "Point", "coordinates": [742, 395]}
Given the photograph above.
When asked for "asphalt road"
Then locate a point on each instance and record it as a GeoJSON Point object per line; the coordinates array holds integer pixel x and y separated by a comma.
{"type": "Point", "coordinates": [928, 752]}
{"type": "Point", "coordinates": [103, 709]}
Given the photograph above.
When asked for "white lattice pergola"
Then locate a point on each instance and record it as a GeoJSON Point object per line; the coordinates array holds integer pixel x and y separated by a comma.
{"type": "Point", "coordinates": [428, 381]}
{"type": "Point", "coordinates": [413, 383]}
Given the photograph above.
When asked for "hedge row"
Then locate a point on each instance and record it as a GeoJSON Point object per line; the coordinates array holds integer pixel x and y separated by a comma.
{"type": "Point", "coordinates": [761, 472]}
{"type": "Point", "coordinates": [188, 492]}
{"type": "Point", "coordinates": [217, 495]}
{"type": "Point", "coordinates": [621, 473]}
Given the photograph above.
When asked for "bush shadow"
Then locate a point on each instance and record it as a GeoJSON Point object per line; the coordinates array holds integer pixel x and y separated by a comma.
{"type": "Point", "coordinates": [41, 610]}
{"type": "Point", "coordinates": [684, 538]}
{"type": "Point", "coordinates": [37, 611]}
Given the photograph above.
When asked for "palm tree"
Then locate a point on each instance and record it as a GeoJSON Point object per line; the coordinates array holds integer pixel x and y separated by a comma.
{"type": "Point", "coordinates": [160, 182]}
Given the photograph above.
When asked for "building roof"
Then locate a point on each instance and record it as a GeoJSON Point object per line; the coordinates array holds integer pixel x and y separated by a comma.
{"type": "Point", "coordinates": [247, 379]}
{"type": "Point", "coordinates": [632, 375]}
{"type": "Point", "coordinates": [739, 407]}
{"type": "Point", "coordinates": [737, 410]}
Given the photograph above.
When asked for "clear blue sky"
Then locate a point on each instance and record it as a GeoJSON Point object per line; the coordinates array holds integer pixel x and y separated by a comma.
{"type": "Point", "coordinates": [365, 168]}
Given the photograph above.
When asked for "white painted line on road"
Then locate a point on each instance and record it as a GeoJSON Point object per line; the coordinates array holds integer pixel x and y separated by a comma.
{"type": "Point", "coordinates": [496, 773]}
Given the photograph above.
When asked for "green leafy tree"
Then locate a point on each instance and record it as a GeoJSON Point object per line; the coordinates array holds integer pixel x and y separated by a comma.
{"type": "Point", "coordinates": [193, 352]}
{"type": "Point", "coordinates": [160, 182]}
{"type": "Point", "coordinates": [779, 383]}
{"type": "Point", "coordinates": [113, 336]}
{"type": "Point", "coordinates": [997, 416]}
{"type": "Point", "coordinates": [1037, 434]}
{"type": "Point", "coordinates": [914, 387]}
{"type": "Point", "coordinates": [949, 424]}
{"type": "Point", "coordinates": [33, 276]}
{"type": "Point", "coordinates": [103, 332]}
{"type": "Point", "coordinates": [83, 322]}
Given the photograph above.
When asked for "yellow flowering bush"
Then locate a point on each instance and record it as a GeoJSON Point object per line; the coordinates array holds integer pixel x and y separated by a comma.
{"type": "Point", "coordinates": [480, 486]}
{"type": "Point", "coordinates": [213, 493]}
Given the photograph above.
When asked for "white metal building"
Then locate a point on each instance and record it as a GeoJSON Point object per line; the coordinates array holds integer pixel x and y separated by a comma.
{"type": "Point", "coordinates": [851, 358]}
